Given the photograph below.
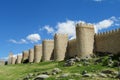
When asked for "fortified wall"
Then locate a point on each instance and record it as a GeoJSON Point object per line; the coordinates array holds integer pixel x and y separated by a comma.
{"type": "Point", "coordinates": [71, 48]}
{"type": "Point", "coordinates": [37, 53]}
{"type": "Point", "coordinates": [31, 55]}
{"type": "Point", "coordinates": [60, 46]}
{"type": "Point", "coordinates": [83, 46]}
{"type": "Point", "coordinates": [48, 49]}
{"type": "Point", "coordinates": [84, 39]}
{"type": "Point", "coordinates": [19, 59]}
{"type": "Point", "coordinates": [25, 56]}
{"type": "Point", "coordinates": [108, 42]}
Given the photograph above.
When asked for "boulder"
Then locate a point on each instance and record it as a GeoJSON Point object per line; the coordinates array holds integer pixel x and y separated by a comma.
{"type": "Point", "coordinates": [56, 70]}
{"type": "Point", "coordinates": [87, 75]}
{"type": "Point", "coordinates": [102, 75]}
{"type": "Point", "coordinates": [64, 75]}
{"type": "Point", "coordinates": [41, 77]}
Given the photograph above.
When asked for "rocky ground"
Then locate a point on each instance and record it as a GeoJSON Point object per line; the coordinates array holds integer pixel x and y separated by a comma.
{"type": "Point", "coordinates": [100, 68]}
{"type": "Point", "coordinates": [96, 68]}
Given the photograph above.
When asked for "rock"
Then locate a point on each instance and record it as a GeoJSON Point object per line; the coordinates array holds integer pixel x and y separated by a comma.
{"type": "Point", "coordinates": [53, 73]}
{"type": "Point", "coordinates": [77, 59]}
{"type": "Point", "coordinates": [64, 75]}
{"type": "Point", "coordinates": [87, 75]}
{"type": "Point", "coordinates": [84, 72]}
{"type": "Point", "coordinates": [98, 60]}
{"type": "Point", "coordinates": [70, 62]}
{"type": "Point", "coordinates": [79, 65]}
{"type": "Point", "coordinates": [71, 79]}
{"type": "Point", "coordinates": [41, 77]}
{"type": "Point", "coordinates": [107, 71]}
{"type": "Point", "coordinates": [94, 75]}
{"type": "Point", "coordinates": [47, 73]}
{"type": "Point", "coordinates": [86, 63]}
{"type": "Point", "coordinates": [56, 70]}
{"type": "Point", "coordinates": [102, 75]}
{"type": "Point", "coordinates": [30, 75]}
{"type": "Point", "coordinates": [76, 74]}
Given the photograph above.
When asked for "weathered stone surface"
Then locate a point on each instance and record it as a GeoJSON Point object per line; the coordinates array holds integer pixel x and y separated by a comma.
{"type": "Point", "coordinates": [37, 53]}
{"type": "Point", "coordinates": [60, 46]}
{"type": "Point", "coordinates": [41, 77]}
{"type": "Point", "coordinates": [87, 75]}
{"type": "Point", "coordinates": [102, 75]}
{"type": "Point", "coordinates": [64, 75]}
{"type": "Point", "coordinates": [47, 50]}
{"type": "Point", "coordinates": [56, 70]}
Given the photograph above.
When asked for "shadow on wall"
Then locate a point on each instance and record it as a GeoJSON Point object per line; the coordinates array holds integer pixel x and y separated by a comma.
{"type": "Point", "coordinates": [25, 61]}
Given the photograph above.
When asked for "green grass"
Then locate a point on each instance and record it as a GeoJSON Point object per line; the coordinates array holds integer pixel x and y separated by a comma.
{"type": "Point", "coordinates": [14, 72]}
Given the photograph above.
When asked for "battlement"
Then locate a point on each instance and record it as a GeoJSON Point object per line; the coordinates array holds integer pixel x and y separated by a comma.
{"type": "Point", "coordinates": [48, 40]}
{"type": "Point", "coordinates": [62, 36]}
{"type": "Point", "coordinates": [107, 33]}
{"type": "Point", "coordinates": [38, 45]}
{"type": "Point", "coordinates": [85, 25]}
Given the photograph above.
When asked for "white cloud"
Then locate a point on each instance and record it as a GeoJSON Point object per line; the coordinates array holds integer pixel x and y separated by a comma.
{"type": "Point", "coordinates": [33, 37]}
{"type": "Point", "coordinates": [68, 27]}
{"type": "Point", "coordinates": [21, 41]}
{"type": "Point", "coordinates": [104, 24]}
{"type": "Point", "coordinates": [49, 29]}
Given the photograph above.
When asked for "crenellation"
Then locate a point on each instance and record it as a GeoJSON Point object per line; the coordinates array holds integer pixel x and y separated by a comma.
{"type": "Point", "coordinates": [61, 47]}
{"type": "Point", "coordinates": [85, 25]}
{"type": "Point", "coordinates": [84, 39]}
{"type": "Point", "coordinates": [37, 53]}
{"type": "Point", "coordinates": [47, 48]}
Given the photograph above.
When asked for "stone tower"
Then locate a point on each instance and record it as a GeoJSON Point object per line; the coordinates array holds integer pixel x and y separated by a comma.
{"type": "Point", "coordinates": [25, 56]}
{"type": "Point", "coordinates": [2, 62]}
{"type": "Point", "coordinates": [37, 53]}
{"type": "Point", "coordinates": [10, 58]}
{"type": "Point", "coordinates": [31, 55]}
{"type": "Point", "coordinates": [60, 46]}
{"type": "Point", "coordinates": [13, 60]}
{"type": "Point", "coordinates": [47, 48]}
{"type": "Point", "coordinates": [19, 59]}
{"type": "Point", "coordinates": [85, 39]}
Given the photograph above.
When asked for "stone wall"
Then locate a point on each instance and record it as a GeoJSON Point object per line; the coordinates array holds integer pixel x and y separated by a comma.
{"type": "Point", "coordinates": [25, 56]}
{"type": "Point", "coordinates": [85, 39]}
{"type": "Point", "coordinates": [60, 46]}
{"type": "Point", "coordinates": [13, 60]}
{"type": "Point", "coordinates": [72, 48]}
{"type": "Point", "coordinates": [10, 58]}
{"type": "Point", "coordinates": [37, 53]}
{"type": "Point", "coordinates": [108, 42]}
{"type": "Point", "coordinates": [19, 59]}
{"type": "Point", "coordinates": [48, 49]}
{"type": "Point", "coordinates": [2, 62]}
{"type": "Point", "coordinates": [31, 55]}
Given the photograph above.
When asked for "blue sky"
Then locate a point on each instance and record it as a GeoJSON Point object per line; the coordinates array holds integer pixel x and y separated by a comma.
{"type": "Point", "coordinates": [24, 23]}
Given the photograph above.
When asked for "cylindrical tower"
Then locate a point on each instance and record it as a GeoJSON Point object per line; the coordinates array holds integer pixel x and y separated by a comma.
{"type": "Point", "coordinates": [37, 53]}
{"type": "Point", "coordinates": [60, 46]}
{"type": "Point", "coordinates": [48, 46]}
{"type": "Point", "coordinates": [2, 62]}
{"type": "Point", "coordinates": [13, 60]}
{"type": "Point", "coordinates": [19, 59]}
{"type": "Point", "coordinates": [25, 56]}
{"type": "Point", "coordinates": [85, 39]}
{"type": "Point", "coordinates": [31, 55]}
{"type": "Point", "coordinates": [10, 58]}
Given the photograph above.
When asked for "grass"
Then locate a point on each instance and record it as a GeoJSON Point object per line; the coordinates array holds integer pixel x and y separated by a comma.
{"type": "Point", "coordinates": [14, 72]}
